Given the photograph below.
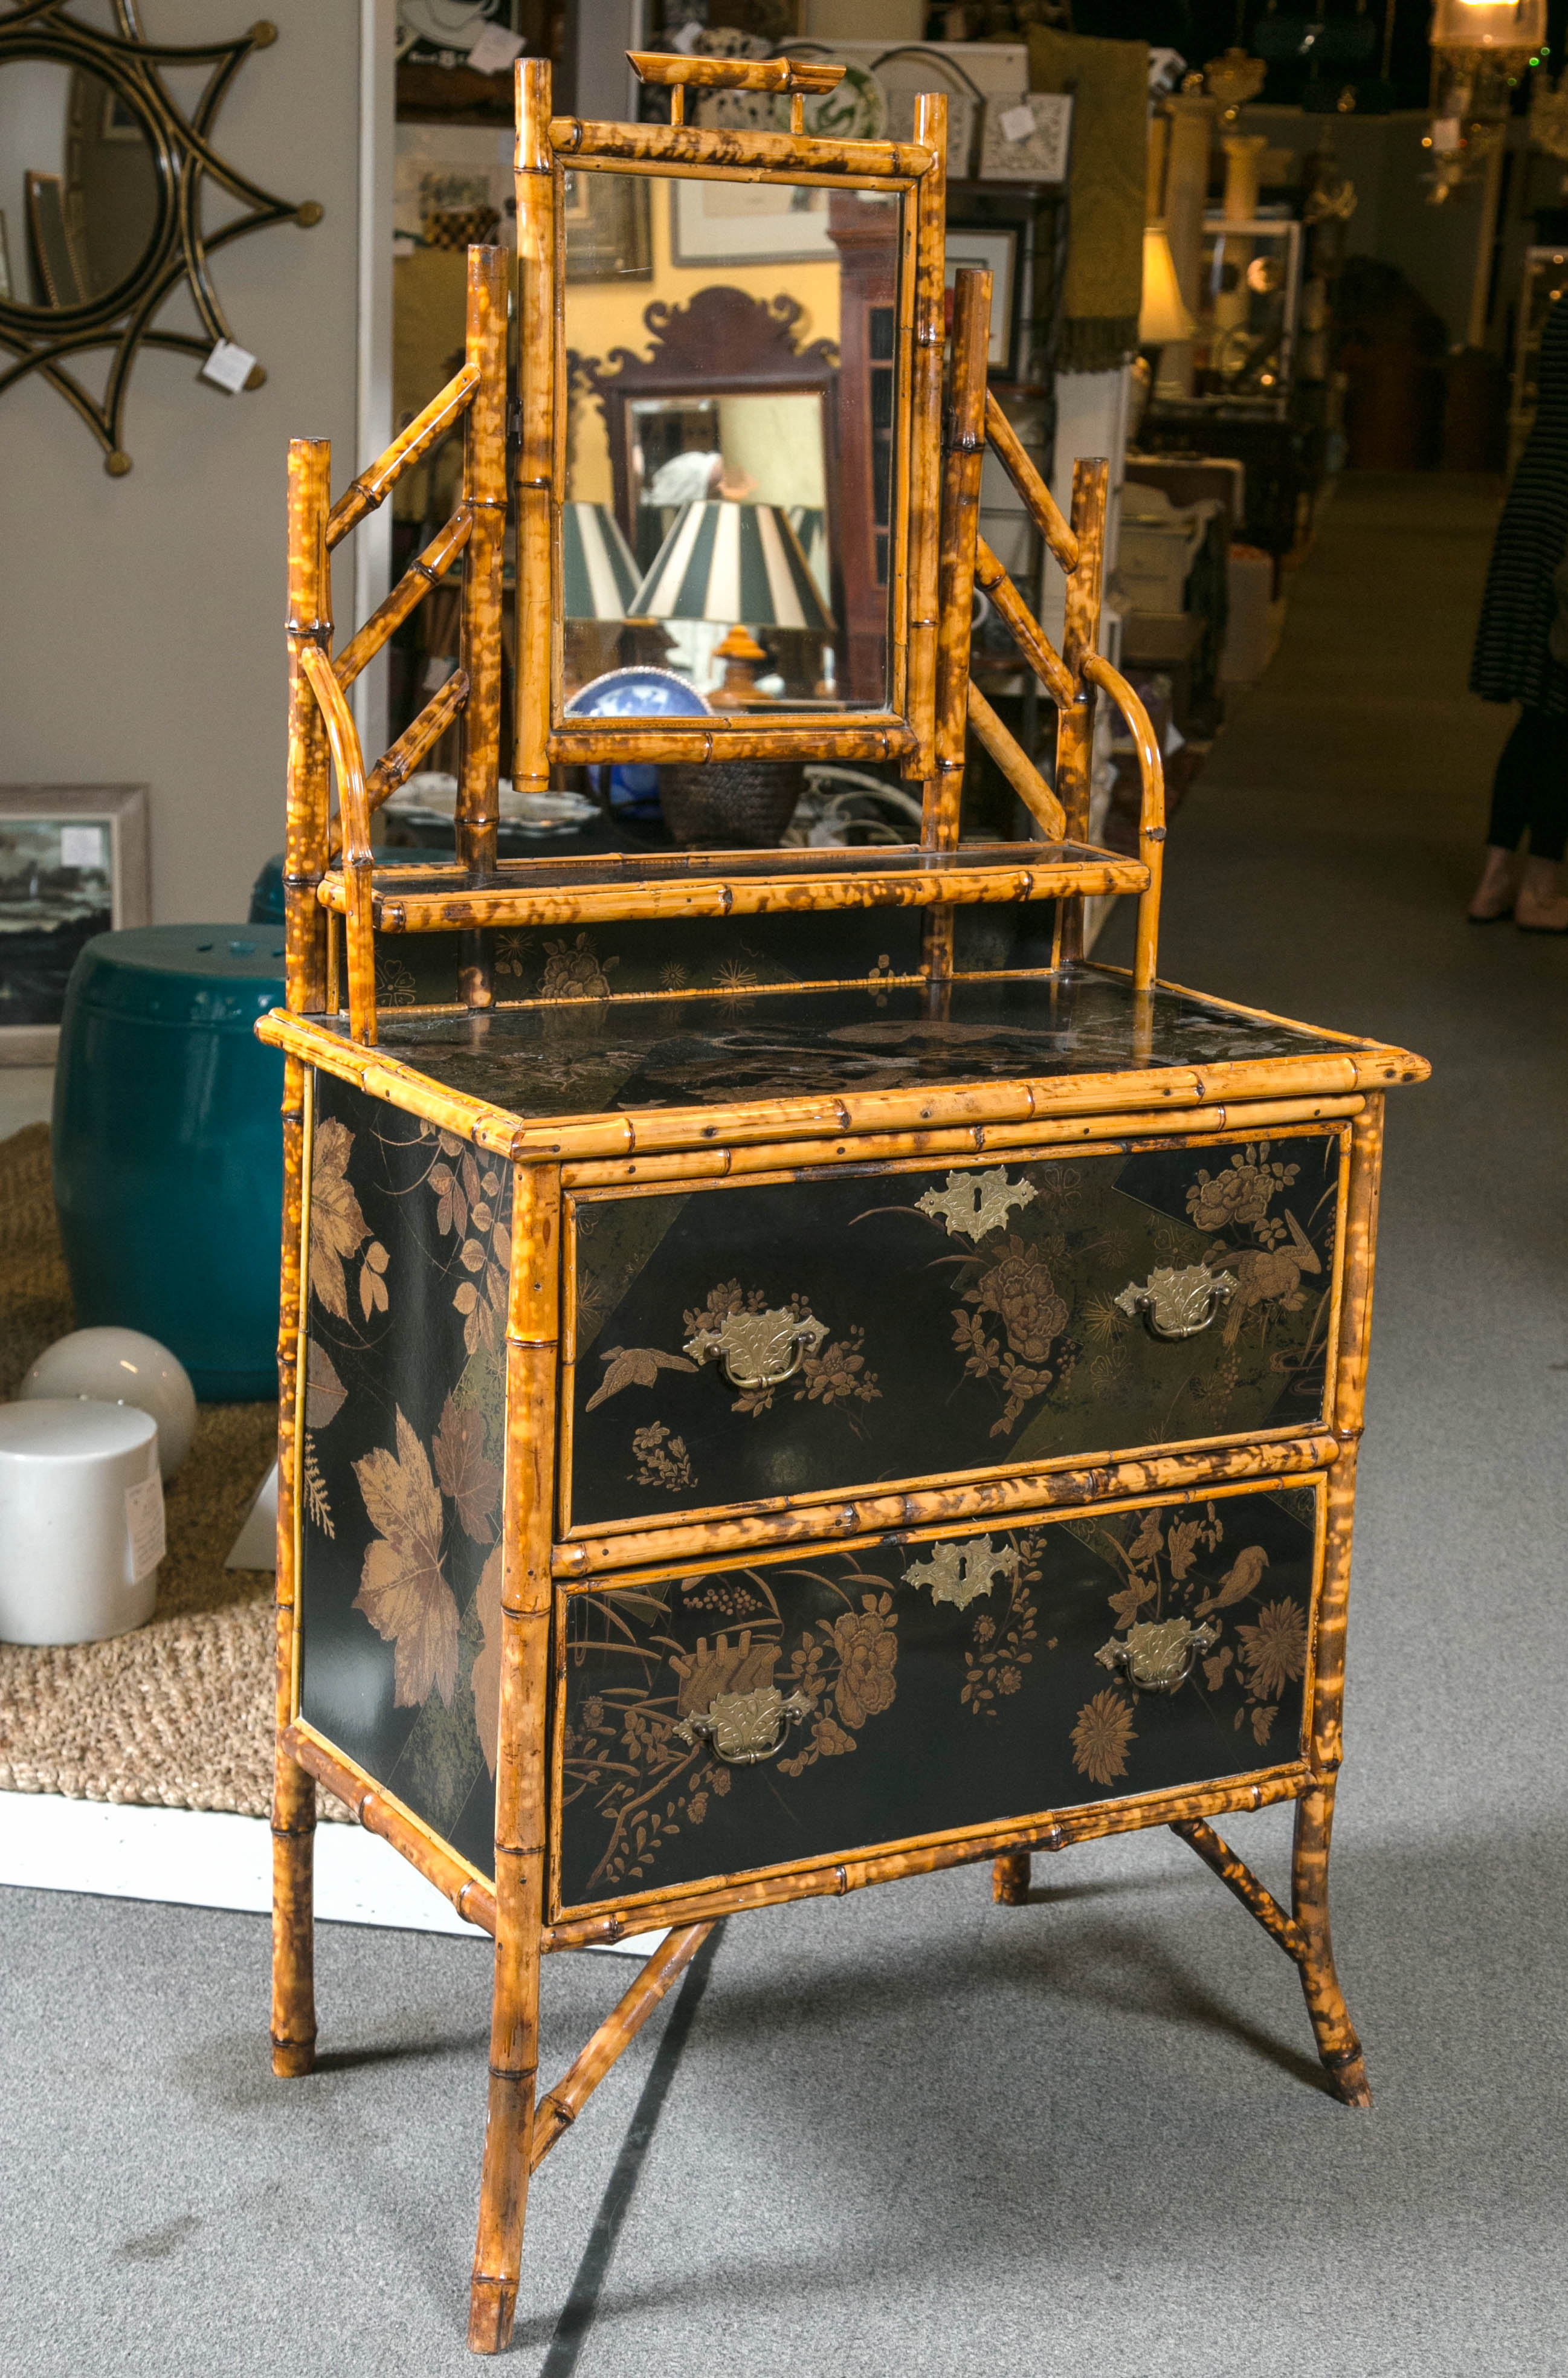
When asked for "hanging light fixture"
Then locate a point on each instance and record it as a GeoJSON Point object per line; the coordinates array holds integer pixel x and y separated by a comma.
{"type": "Point", "coordinates": [1479, 50]}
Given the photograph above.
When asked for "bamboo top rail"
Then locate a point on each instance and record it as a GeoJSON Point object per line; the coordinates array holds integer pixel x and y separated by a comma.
{"type": "Point", "coordinates": [787, 75]}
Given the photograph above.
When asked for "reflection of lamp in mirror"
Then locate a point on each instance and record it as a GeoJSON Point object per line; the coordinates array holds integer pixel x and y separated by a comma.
{"type": "Point", "coordinates": [599, 579]}
{"type": "Point", "coordinates": [739, 565]}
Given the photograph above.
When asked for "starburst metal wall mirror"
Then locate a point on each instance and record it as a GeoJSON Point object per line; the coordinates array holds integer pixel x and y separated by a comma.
{"type": "Point", "coordinates": [103, 176]}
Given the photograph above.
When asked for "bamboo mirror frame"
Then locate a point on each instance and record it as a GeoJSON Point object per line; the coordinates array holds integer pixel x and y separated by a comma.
{"type": "Point", "coordinates": [902, 727]}
{"type": "Point", "coordinates": [137, 107]}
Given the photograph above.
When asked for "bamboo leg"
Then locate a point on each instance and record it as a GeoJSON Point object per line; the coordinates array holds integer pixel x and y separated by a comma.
{"type": "Point", "coordinates": [1010, 1880]}
{"type": "Point", "coordinates": [305, 938]}
{"type": "Point", "coordinates": [533, 1330]}
{"type": "Point", "coordinates": [1337, 2044]}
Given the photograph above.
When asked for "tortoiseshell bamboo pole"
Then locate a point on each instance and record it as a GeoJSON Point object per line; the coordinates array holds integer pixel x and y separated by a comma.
{"type": "Point", "coordinates": [1337, 2044]}
{"type": "Point", "coordinates": [426, 571]}
{"type": "Point", "coordinates": [1238, 1878]}
{"type": "Point", "coordinates": [375, 483]}
{"type": "Point", "coordinates": [926, 431]}
{"type": "Point", "coordinates": [1151, 813]}
{"type": "Point", "coordinates": [1075, 727]}
{"type": "Point", "coordinates": [1016, 765]}
{"type": "Point", "coordinates": [343, 737]}
{"type": "Point", "coordinates": [400, 761]}
{"type": "Point", "coordinates": [294, 1790]}
{"type": "Point", "coordinates": [1027, 634]}
{"type": "Point", "coordinates": [376, 1810]}
{"type": "Point", "coordinates": [305, 938]}
{"type": "Point", "coordinates": [533, 1338]}
{"type": "Point", "coordinates": [533, 482]}
{"type": "Point", "coordinates": [1098, 1822]}
{"type": "Point", "coordinates": [309, 784]}
{"type": "Point", "coordinates": [1038, 499]}
{"type": "Point", "coordinates": [587, 741]}
{"type": "Point", "coordinates": [484, 500]}
{"type": "Point", "coordinates": [1010, 1880]}
{"type": "Point", "coordinates": [963, 454]}
{"type": "Point", "coordinates": [964, 451]}
{"type": "Point", "coordinates": [561, 2108]}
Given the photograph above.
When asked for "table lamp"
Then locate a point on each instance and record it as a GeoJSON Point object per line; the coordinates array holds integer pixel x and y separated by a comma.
{"type": "Point", "coordinates": [599, 572]}
{"type": "Point", "coordinates": [1163, 318]}
{"type": "Point", "coordinates": [741, 564]}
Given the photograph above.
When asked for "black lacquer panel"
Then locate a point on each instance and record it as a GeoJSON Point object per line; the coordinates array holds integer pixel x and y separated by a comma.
{"type": "Point", "coordinates": [402, 1458]}
{"type": "Point", "coordinates": [950, 1684]}
{"type": "Point", "coordinates": [960, 1334]}
{"type": "Point", "coordinates": [582, 1053]}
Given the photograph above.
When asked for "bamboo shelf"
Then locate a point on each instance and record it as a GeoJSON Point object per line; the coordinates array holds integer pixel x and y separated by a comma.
{"type": "Point", "coordinates": [740, 1308]}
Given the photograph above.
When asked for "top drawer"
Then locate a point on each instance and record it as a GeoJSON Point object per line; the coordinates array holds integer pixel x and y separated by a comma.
{"type": "Point", "coordinates": [937, 1322]}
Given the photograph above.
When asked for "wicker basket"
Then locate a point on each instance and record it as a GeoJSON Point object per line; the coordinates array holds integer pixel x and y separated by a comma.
{"type": "Point", "coordinates": [731, 804]}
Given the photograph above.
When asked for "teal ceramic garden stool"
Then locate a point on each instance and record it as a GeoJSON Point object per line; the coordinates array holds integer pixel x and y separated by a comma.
{"type": "Point", "coordinates": [168, 1150]}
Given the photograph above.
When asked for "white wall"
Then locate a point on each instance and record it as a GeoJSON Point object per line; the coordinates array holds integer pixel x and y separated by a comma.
{"type": "Point", "coordinates": [142, 619]}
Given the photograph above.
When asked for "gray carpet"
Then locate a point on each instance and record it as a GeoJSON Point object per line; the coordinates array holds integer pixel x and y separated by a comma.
{"type": "Point", "coordinates": [911, 2132]}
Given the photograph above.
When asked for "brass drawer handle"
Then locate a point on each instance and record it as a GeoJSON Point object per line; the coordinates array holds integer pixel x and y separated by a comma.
{"type": "Point", "coordinates": [1158, 1656]}
{"type": "Point", "coordinates": [759, 1350]}
{"type": "Point", "coordinates": [1177, 1303]}
{"type": "Point", "coordinates": [742, 1729]}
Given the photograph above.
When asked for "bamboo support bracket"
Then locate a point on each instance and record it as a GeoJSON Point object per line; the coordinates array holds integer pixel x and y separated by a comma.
{"type": "Point", "coordinates": [1016, 765]}
{"type": "Point", "coordinates": [1026, 631]}
{"type": "Point", "coordinates": [374, 485]}
{"type": "Point", "coordinates": [1038, 498]}
{"type": "Point", "coordinates": [560, 2108]}
{"type": "Point", "coordinates": [1151, 813]}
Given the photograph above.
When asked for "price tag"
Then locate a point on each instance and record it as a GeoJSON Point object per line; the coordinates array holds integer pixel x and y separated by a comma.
{"type": "Point", "coordinates": [81, 845]}
{"type": "Point", "coordinates": [1448, 134]}
{"type": "Point", "coordinates": [1017, 123]}
{"type": "Point", "coordinates": [228, 366]}
{"type": "Point", "coordinates": [495, 49]}
{"type": "Point", "coordinates": [144, 1524]}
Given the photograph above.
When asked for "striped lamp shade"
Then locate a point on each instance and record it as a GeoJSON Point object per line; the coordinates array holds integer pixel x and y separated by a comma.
{"type": "Point", "coordinates": [810, 525]}
{"type": "Point", "coordinates": [737, 562]}
{"type": "Point", "coordinates": [601, 576]}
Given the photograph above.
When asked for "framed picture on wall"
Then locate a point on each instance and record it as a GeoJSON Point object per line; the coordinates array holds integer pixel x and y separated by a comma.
{"type": "Point", "coordinates": [73, 863]}
{"type": "Point", "coordinates": [994, 246]}
{"type": "Point", "coordinates": [609, 235]}
{"type": "Point", "coordinates": [749, 222]}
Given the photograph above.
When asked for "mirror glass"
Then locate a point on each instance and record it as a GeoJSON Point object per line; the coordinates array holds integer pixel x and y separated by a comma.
{"type": "Point", "coordinates": [78, 185]}
{"type": "Point", "coordinates": [732, 483]}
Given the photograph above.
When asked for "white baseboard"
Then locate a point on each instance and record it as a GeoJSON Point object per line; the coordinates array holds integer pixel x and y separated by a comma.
{"type": "Point", "coordinates": [198, 1858]}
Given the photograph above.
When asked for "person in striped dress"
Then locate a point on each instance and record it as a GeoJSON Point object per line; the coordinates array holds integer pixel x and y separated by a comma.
{"type": "Point", "coordinates": [1514, 661]}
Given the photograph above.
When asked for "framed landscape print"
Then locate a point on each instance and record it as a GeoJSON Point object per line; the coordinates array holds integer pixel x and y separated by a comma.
{"type": "Point", "coordinates": [73, 863]}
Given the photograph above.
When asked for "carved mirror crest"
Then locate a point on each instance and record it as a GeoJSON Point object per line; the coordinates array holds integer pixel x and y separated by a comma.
{"type": "Point", "coordinates": [103, 176]}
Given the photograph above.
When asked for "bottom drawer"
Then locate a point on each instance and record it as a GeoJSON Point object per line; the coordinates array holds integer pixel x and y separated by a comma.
{"type": "Point", "coordinates": [729, 1720]}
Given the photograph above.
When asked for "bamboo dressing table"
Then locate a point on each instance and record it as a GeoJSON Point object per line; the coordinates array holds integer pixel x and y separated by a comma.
{"type": "Point", "coordinates": [792, 1378]}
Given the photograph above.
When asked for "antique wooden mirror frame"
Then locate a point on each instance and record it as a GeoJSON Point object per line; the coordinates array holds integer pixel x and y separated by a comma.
{"type": "Point", "coordinates": [719, 343]}
{"type": "Point", "coordinates": [904, 727]}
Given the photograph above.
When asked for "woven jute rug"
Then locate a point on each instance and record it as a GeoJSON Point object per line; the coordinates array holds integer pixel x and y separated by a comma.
{"type": "Point", "coordinates": [178, 1714]}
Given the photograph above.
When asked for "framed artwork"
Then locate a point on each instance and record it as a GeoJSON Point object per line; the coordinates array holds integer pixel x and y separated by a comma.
{"type": "Point", "coordinates": [748, 222]}
{"type": "Point", "coordinates": [73, 863]}
{"type": "Point", "coordinates": [994, 246]}
{"type": "Point", "coordinates": [608, 227]}
{"type": "Point", "coordinates": [1026, 139]}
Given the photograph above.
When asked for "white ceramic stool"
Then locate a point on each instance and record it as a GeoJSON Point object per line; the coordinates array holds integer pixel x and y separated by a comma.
{"type": "Point", "coordinates": [122, 1366]}
{"type": "Point", "coordinates": [81, 1520]}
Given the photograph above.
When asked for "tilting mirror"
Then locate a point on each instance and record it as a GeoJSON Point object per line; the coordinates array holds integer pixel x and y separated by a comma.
{"type": "Point", "coordinates": [735, 430]}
